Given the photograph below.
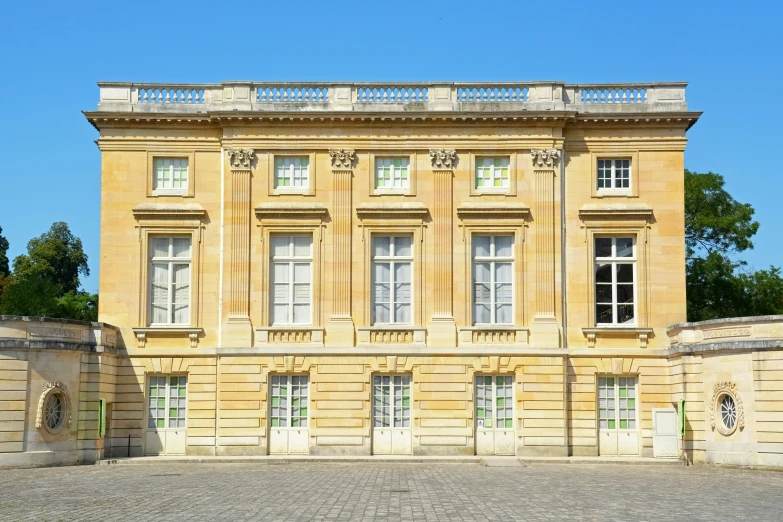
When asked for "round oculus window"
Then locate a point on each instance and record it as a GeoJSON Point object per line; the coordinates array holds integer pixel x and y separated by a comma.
{"type": "Point", "coordinates": [728, 412]}
{"type": "Point", "coordinates": [54, 411]}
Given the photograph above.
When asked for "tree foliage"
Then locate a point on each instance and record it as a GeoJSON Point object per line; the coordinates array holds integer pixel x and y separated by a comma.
{"type": "Point", "coordinates": [56, 255]}
{"type": "Point", "coordinates": [717, 226]}
{"type": "Point", "coordinates": [45, 281]}
{"type": "Point", "coordinates": [4, 268]}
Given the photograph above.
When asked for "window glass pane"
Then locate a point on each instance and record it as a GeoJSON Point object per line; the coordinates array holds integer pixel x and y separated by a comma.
{"type": "Point", "coordinates": [382, 246]}
{"type": "Point", "coordinates": [482, 272]}
{"type": "Point", "coordinates": [280, 246]}
{"type": "Point", "coordinates": [503, 272]}
{"type": "Point", "coordinates": [402, 272]}
{"type": "Point", "coordinates": [302, 314]}
{"type": "Point", "coordinates": [603, 273]}
{"type": "Point", "coordinates": [181, 247]}
{"type": "Point", "coordinates": [625, 313]}
{"type": "Point", "coordinates": [603, 293]}
{"type": "Point", "coordinates": [159, 247]}
{"type": "Point", "coordinates": [280, 272]}
{"type": "Point", "coordinates": [504, 246]}
{"type": "Point", "coordinates": [402, 313]}
{"type": "Point", "coordinates": [302, 272]}
{"type": "Point", "coordinates": [503, 314]}
{"type": "Point", "coordinates": [302, 245]}
{"type": "Point", "coordinates": [604, 314]}
{"type": "Point", "coordinates": [624, 247]}
{"type": "Point", "coordinates": [381, 313]}
{"type": "Point", "coordinates": [480, 246]}
{"type": "Point", "coordinates": [402, 246]}
{"type": "Point", "coordinates": [603, 247]}
{"type": "Point", "coordinates": [624, 273]}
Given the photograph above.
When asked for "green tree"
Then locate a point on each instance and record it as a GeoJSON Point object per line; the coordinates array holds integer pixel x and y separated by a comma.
{"type": "Point", "coordinates": [32, 295]}
{"type": "Point", "coordinates": [56, 255]}
{"type": "Point", "coordinates": [78, 305]}
{"type": "Point", "coordinates": [4, 269]}
{"type": "Point", "coordinates": [716, 227]}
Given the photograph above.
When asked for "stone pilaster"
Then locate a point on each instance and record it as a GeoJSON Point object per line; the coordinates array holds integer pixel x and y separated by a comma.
{"type": "Point", "coordinates": [340, 329]}
{"type": "Point", "coordinates": [442, 329]}
{"type": "Point", "coordinates": [238, 330]}
{"type": "Point", "coordinates": [545, 330]}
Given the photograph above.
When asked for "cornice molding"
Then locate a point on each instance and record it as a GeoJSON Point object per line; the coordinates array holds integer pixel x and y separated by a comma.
{"type": "Point", "coordinates": [173, 210]}
{"type": "Point", "coordinates": [493, 211]}
{"type": "Point", "coordinates": [291, 210]}
{"type": "Point", "coordinates": [392, 210]}
{"type": "Point", "coordinates": [618, 211]}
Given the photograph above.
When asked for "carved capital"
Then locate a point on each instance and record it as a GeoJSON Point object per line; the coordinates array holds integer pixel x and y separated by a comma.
{"type": "Point", "coordinates": [544, 157]}
{"type": "Point", "coordinates": [443, 158]}
{"type": "Point", "coordinates": [240, 159]}
{"type": "Point", "coordinates": [342, 158]}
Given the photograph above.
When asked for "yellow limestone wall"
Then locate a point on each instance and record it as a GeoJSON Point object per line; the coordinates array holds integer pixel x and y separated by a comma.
{"type": "Point", "coordinates": [228, 366]}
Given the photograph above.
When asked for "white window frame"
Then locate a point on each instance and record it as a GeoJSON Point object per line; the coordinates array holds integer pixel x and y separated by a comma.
{"type": "Point", "coordinates": [615, 172]}
{"type": "Point", "coordinates": [170, 261]}
{"type": "Point", "coordinates": [395, 385]}
{"type": "Point", "coordinates": [289, 164]}
{"type": "Point", "coordinates": [153, 381]}
{"type": "Point", "coordinates": [395, 173]}
{"type": "Point", "coordinates": [293, 383]}
{"type": "Point", "coordinates": [491, 259]}
{"type": "Point", "coordinates": [614, 261]}
{"type": "Point", "coordinates": [495, 174]}
{"type": "Point", "coordinates": [494, 401]}
{"type": "Point", "coordinates": [291, 259]}
{"type": "Point", "coordinates": [608, 414]}
{"type": "Point", "coordinates": [393, 259]}
{"type": "Point", "coordinates": [157, 190]}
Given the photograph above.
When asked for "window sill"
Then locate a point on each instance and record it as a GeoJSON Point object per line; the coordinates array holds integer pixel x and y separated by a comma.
{"type": "Point", "coordinates": [642, 334]}
{"type": "Point", "coordinates": [180, 193]}
{"type": "Point", "coordinates": [173, 330]}
{"type": "Point", "coordinates": [493, 334]}
{"type": "Point", "coordinates": [391, 334]}
{"type": "Point", "coordinates": [290, 334]}
{"type": "Point", "coordinates": [614, 194]}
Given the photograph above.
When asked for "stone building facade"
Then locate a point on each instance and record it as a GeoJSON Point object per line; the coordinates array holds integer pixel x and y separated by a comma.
{"type": "Point", "coordinates": [424, 269]}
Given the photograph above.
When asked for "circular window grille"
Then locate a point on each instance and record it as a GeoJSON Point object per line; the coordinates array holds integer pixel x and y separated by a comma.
{"type": "Point", "coordinates": [54, 411]}
{"type": "Point", "coordinates": [54, 408]}
{"type": "Point", "coordinates": [726, 413]}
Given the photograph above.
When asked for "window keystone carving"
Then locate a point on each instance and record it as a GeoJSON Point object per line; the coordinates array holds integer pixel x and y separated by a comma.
{"type": "Point", "coordinates": [443, 158]}
{"type": "Point", "coordinates": [240, 159]}
{"type": "Point", "coordinates": [544, 157]}
{"type": "Point", "coordinates": [342, 158]}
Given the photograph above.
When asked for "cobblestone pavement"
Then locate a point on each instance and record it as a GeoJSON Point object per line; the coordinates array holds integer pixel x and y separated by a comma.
{"type": "Point", "coordinates": [390, 491]}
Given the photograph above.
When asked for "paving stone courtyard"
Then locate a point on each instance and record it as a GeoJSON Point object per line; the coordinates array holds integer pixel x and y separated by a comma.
{"type": "Point", "coordinates": [389, 491]}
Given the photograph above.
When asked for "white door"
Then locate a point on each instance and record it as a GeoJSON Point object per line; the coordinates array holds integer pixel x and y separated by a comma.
{"type": "Point", "coordinates": [665, 433]}
{"type": "Point", "coordinates": [495, 434]}
{"type": "Point", "coordinates": [166, 415]}
{"type": "Point", "coordinates": [391, 411]}
{"type": "Point", "coordinates": [618, 432]}
{"type": "Point", "coordinates": [288, 421]}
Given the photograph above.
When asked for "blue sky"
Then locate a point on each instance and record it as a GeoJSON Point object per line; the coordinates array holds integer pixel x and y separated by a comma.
{"type": "Point", "coordinates": [53, 53]}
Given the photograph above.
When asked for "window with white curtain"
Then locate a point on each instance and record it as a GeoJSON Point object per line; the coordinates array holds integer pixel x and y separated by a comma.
{"type": "Point", "coordinates": [171, 175]}
{"type": "Point", "coordinates": [292, 172]}
{"type": "Point", "coordinates": [493, 279]}
{"type": "Point", "coordinates": [392, 262]}
{"type": "Point", "coordinates": [291, 267]}
{"type": "Point", "coordinates": [170, 261]}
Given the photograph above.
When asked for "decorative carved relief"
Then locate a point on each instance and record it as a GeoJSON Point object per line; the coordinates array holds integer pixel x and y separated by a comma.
{"type": "Point", "coordinates": [443, 158]}
{"type": "Point", "coordinates": [719, 391]}
{"type": "Point", "coordinates": [494, 336]}
{"type": "Point", "coordinates": [240, 159]}
{"type": "Point", "coordinates": [54, 408]}
{"type": "Point", "coordinates": [544, 157]}
{"type": "Point", "coordinates": [342, 158]}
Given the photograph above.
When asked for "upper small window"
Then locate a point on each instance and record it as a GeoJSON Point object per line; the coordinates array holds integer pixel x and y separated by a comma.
{"type": "Point", "coordinates": [614, 174]}
{"type": "Point", "coordinates": [292, 172]}
{"type": "Point", "coordinates": [171, 176]}
{"type": "Point", "coordinates": [392, 173]}
{"type": "Point", "coordinates": [492, 173]}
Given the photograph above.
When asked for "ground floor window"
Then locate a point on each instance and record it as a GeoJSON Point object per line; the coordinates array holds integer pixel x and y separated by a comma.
{"type": "Point", "coordinates": [167, 401]}
{"type": "Point", "coordinates": [617, 403]}
{"type": "Point", "coordinates": [289, 401]}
